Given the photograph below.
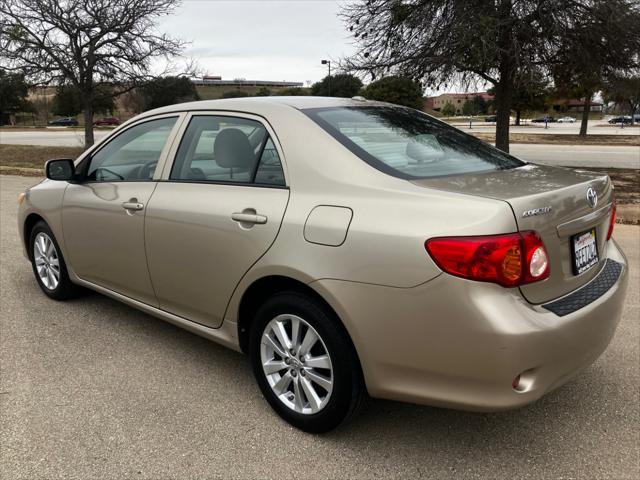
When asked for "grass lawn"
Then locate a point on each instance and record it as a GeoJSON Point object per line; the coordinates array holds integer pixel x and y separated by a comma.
{"type": "Point", "coordinates": [563, 139]}
{"type": "Point", "coordinates": [17, 157]}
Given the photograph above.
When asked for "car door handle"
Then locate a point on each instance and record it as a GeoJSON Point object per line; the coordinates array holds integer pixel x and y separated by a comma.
{"type": "Point", "coordinates": [249, 218]}
{"type": "Point", "coordinates": [133, 205]}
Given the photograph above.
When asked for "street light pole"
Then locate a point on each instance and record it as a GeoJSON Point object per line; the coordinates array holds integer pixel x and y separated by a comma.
{"type": "Point", "coordinates": [328, 64]}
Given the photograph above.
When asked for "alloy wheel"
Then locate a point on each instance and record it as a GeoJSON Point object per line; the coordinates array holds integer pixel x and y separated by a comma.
{"type": "Point", "coordinates": [297, 364]}
{"type": "Point", "coordinates": [47, 261]}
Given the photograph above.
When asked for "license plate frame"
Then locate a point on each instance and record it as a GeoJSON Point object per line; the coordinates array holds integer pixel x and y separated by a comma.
{"type": "Point", "coordinates": [584, 251]}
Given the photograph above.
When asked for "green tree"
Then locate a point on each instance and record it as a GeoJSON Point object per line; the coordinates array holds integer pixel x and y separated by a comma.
{"type": "Point", "coordinates": [263, 92]}
{"type": "Point", "coordinates": [235, 94]}
{"type": "Point", "coordinates": [480, 105]}
{"type": "Point", "coordinates": [67, 101]}
{"type": "Point", "coordinates": [445, 41]}
{"type": "Point", "coordinates": [13, 93]}
{"type": "Point", "coordinates": [468, 108]}
{"type": "Point", "coordinates": [395, 89]}
{"type": "Point", "coordinates": [168, 91]}
{"type": "Point", "coordinates": [341, 85]}
{"type": "Point", "coordinates": [293, 92]}
{"type": "Point", "coordinates": [448, 110]}
{"type": "Point", "coordinates": [625, 92]}
{"type": "Point", "coordinates": [530, 93]}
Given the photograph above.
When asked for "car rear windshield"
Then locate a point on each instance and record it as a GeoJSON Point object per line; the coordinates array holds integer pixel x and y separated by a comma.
{"type": "Point", "coordinates": [408, 144]}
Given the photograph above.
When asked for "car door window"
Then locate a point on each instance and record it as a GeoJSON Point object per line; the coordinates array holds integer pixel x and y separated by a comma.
{"type": "Point", "coordinates": [270, 169]}
{"type": "Point", "coordinates": [227, 150]}
{"type": "Point", "coordinates": [133, 155]}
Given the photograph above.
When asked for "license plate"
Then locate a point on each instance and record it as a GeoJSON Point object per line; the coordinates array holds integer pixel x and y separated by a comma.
{"type": "Point", "coordinates": [585, 251]}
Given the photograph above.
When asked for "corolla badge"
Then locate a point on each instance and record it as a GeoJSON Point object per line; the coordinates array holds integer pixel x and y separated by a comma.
{"type": "Point", "coordinates": [592, 197]}
{"type": "Point", "coordinates": [536, 211]}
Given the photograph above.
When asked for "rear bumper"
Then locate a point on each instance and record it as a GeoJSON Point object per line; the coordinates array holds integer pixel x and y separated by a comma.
{"type": "Point", "coordinates": [459, 344]}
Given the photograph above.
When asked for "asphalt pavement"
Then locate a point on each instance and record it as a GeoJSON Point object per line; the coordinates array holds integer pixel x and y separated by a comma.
{"type": "Point", "coordinates": [94, 389]}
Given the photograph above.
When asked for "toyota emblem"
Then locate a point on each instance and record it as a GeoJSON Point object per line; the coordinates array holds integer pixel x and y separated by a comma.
{"type": "Point", "coordinates": [592, 197]}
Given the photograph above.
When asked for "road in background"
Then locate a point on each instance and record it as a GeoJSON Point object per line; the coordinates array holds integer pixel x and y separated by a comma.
{"type": "Point", "coordinates": [49, 137]}
{"type": "Point", "coordinates": [596, 127]}
{"type": "Point", "coordinates": [95, 389]}
{"type": "Point", "coordinates": [578, 155]}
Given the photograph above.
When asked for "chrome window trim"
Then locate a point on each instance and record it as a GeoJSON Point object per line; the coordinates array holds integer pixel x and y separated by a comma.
{"type": "Point", "coordinates": [171, 157]}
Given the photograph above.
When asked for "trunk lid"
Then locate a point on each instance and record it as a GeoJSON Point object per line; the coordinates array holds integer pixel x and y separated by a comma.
{"type": "Point", "coordinates": [530, 190]}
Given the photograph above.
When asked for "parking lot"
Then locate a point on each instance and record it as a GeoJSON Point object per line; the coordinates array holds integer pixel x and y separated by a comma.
{"type": "Point", "coordinates": [94, 389]}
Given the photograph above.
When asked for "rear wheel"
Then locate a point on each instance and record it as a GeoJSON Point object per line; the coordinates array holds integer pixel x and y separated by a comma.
{"type": "Point", "coordinates": [304, 363]}
{"type": "Point", "coordinates": [48, 264]}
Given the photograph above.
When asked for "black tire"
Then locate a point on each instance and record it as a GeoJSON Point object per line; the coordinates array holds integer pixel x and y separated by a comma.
{"type": "Point", "coordinates": [348, 389]}
{"type": "Point", "coordinates": [65, 289]}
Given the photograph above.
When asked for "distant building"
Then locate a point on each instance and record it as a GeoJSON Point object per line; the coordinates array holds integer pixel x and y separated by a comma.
{"type": "Point", "coordinates": [217, 81]}
{"type": "Point", "coordinates": [574, 105]}
{"type": "Point", "coordinates": [455, 99]}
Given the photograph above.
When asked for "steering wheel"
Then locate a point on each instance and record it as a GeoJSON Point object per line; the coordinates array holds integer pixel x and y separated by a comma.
{"type": "Point", "coordinates": [117, 175]}
{"type": "Point", "coordinates": [146, 171]}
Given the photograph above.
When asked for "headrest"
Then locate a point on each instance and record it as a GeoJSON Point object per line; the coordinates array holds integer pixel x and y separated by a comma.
{"type": "Point", "coordinates": [232, 149]}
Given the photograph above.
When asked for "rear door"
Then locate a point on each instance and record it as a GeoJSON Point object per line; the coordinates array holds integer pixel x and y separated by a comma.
{"type": "Point", "coordinates": [216, 212]}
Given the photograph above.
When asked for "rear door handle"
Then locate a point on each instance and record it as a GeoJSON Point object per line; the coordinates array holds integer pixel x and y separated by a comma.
{"type": "Point", "coordinates": [249, 218]}
{"type": "Point", "coordinates": [133, 205]}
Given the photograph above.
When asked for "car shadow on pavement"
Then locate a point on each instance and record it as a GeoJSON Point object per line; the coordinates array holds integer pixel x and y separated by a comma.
{"type": "Point", "coordinates": [378, 419]}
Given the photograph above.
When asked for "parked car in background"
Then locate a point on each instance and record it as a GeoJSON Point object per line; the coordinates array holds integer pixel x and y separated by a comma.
{"type": "Point", "coordinates": [547, 119]}
{"type": "Point", "coordinates": [567, 120]}
{"type": "Point", "coordinates": [491, 118]}
{"type": "Point", "coordinates": [64, 122]}
{"type": "Point", "coordinates": [347, 246]}
{"type": "Point", "coordinates": [107, 121]}
{"type": "Point", "coordinates": [620, 119]}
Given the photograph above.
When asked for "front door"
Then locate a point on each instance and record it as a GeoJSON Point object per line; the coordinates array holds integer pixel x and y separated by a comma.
{"type": "Point", "coordinates": [215, 216]}
{"type": "Point", "coordinates": [103, 219]}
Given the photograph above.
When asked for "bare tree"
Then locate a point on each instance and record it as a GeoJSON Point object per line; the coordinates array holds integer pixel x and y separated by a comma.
{"type": "Point", "coordinates": [440, 42]}
{"type": "Point", "coordinates": [85, 43]}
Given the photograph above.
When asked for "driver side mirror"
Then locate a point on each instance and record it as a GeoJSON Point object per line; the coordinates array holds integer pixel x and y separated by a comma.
{"type": "Point", "coordinates": [61, 169]}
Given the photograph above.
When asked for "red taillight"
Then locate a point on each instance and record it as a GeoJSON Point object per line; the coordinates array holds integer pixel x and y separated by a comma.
{"type": "Point", "coordinates": [612, 220]}
{"type": "Point", "coordinates": [508, 260]}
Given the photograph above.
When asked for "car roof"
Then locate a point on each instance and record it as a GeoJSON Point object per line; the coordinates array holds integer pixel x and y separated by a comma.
{"type": "Point", "coordinates": [264, 104]}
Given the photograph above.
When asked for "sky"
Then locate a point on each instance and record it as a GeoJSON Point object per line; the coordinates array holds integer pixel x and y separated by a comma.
{"type": "Point", "coordinates": [261, 39]}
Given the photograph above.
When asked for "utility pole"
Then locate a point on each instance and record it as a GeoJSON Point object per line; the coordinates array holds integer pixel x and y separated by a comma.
{"type": "Point", "coordinates": [328, 64]}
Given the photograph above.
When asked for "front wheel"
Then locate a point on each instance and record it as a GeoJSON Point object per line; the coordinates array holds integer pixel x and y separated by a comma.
{"type": "Point", "coordinates": [48, 264]}
{"type": "Point", "coordinates": [304, 362]}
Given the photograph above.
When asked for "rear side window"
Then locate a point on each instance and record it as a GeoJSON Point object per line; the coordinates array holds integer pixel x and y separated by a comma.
{"type": "Point", "coordinates": [227, 150]}
{"type": "Point", "coordinates": [408, 144]}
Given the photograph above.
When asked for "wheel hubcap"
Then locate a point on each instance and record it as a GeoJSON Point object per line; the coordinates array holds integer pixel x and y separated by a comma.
{"type": "Point", "coordinates": [47, 261]}
{"type": "Point", "coordinates": [297, 364]}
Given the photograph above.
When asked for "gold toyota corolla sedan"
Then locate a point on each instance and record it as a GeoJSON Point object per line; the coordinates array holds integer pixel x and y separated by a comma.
{"type": "Point", "coordinates": [347, 246]}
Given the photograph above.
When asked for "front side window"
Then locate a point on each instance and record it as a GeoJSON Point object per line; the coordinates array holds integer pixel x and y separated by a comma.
{"type": "Point", "coordinates": [228, 150]}
{"type": "Point", "coordinates": [408, 144]}
{"type": "Point", "coordinates": [133, 155]}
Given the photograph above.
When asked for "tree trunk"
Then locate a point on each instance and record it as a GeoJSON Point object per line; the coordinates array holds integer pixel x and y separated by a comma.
{"type": "Point", "coordinates": [586, 108]}
{"type": "Point", "coordinates": [87, 110]}
{"type": "Point", "coordinates": [503, 111]}
{"type": "Point", "coordinates": [518, 118]}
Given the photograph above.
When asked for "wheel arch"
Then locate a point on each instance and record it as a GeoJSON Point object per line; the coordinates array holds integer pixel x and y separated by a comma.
{"type": "Point", "coordinates": [29, 223]}
{"type": "Point", "coordinates": [263, 288]}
